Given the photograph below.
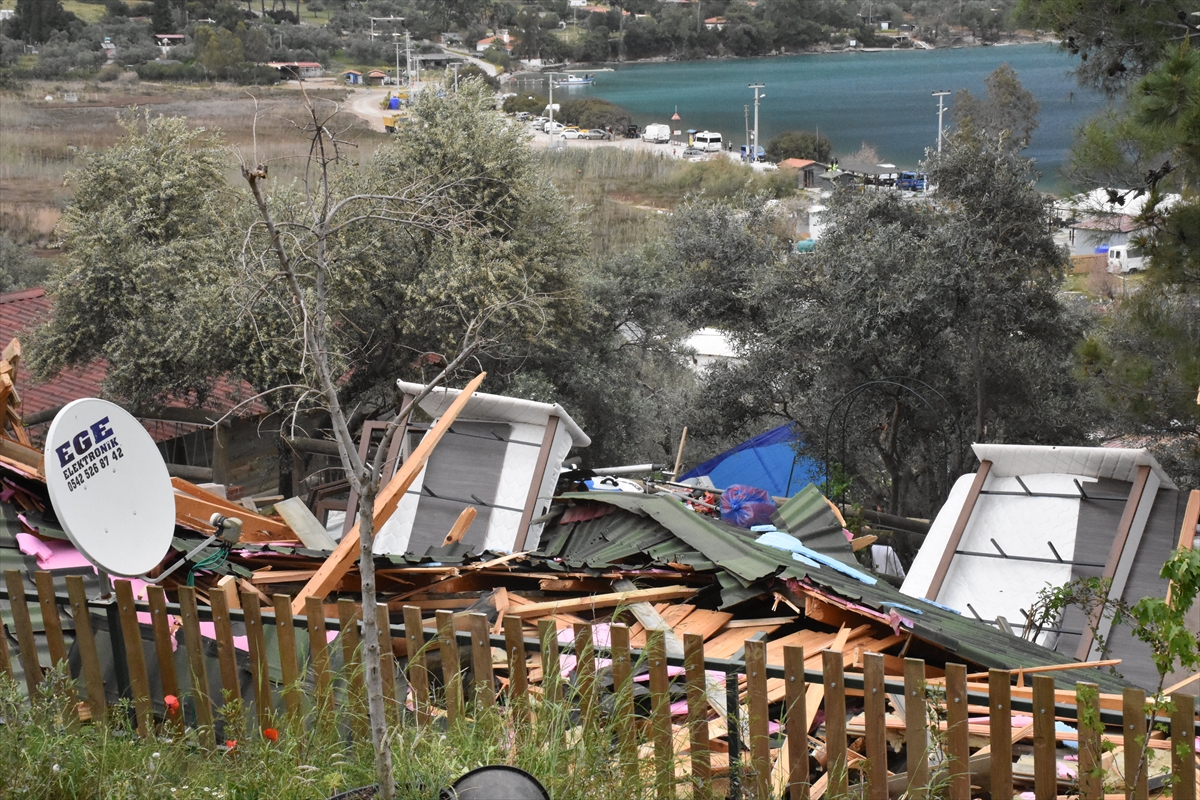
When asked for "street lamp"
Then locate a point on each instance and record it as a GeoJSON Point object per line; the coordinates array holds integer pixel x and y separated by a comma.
{"type": "Point", "coordinates": [939, 95]}
{"type": "Point", "coordinates": [757, 97]}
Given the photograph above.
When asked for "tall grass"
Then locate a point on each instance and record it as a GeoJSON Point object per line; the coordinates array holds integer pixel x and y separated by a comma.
{"type": "Point", "coordinates": [46, 753]}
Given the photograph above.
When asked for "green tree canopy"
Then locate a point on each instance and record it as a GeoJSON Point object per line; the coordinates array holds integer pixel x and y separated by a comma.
{"type": "Point", "coordinates": [800, 144]}
{"type": "Point", "coordinates": [1009, 110]}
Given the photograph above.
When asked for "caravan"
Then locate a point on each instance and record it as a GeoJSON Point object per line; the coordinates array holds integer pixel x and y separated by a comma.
{"type": "Point", "coordinates": [1123, 258]}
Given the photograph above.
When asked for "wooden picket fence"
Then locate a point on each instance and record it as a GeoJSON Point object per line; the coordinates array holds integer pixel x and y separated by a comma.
{"type": "Point", "coordinates": [413, 701]}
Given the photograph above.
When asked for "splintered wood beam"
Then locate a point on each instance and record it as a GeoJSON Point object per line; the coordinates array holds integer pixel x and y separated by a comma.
{"type": "Point", "coordinates": [602, 601]}
{"type": "Point", "coordinates": [194, 508]}
{"type": "Point", "coordinates": [960, 527]}
{"type": "Point", "coordinates": [460, 526]}
{"type": "Point", "coordinates": [341, 559]}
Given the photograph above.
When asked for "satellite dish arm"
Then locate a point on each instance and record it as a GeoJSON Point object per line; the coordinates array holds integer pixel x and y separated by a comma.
{"type": "Point", "coordinates": [229, 530]}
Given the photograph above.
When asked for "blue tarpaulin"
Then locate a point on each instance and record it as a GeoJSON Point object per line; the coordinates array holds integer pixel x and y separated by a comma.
{"type": "Point", "coordinates": [768, 461]}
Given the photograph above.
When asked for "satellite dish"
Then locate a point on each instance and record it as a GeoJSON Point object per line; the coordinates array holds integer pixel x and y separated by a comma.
{"type": "Point", "coordinates": [109, 487]}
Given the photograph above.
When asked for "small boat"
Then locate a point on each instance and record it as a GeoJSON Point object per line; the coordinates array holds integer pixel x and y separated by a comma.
{"type": "Point", "coordinates": [575, 80]}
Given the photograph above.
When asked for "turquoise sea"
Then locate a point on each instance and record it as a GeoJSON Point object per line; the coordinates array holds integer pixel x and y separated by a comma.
{"type": "Point", "coordinates": [882, 98]}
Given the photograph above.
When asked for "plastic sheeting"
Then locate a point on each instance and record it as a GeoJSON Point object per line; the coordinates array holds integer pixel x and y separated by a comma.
{"type": "Point", "coordinates": [769, 461]}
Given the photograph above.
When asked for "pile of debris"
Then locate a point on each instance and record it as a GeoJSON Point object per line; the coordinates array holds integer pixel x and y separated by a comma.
{"type": "Point", "coordinates": [494, 520]}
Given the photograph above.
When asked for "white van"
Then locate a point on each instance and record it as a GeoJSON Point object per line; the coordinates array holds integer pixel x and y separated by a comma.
{"type": "Point", "coordinates": [708, 141]}
{"type": "Point", "coordinates": [657, 133]}
{"type": "Point", "coordinates": [1124, 258]}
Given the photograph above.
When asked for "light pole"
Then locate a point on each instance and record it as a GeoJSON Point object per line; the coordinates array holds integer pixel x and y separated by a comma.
{"type": "Point", "coordinates": [757, 97]}
{"type": "Point", "coordinates": [746, 108]}
{"type": "Point", "coordinates": [939, 95]}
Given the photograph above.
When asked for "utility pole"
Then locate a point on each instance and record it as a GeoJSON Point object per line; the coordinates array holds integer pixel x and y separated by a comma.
{"type": "Point", "coordinates": [747, 110]}
{"type": "Point", "coordinates": [939, 95]}
{"type": "Point", "coordinates": [757, 97]}
{"type": "Point", "coordinates": [396, 42]}
{"type": "Point", "coordinates": [456, 79]}
{"type": "Point", "coordinates": [408, 61]}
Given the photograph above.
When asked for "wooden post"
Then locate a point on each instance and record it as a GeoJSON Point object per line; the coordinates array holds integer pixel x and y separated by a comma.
{"type": "Point", "coordinates": [1000, 730]}
{"type": "Point", "coordinates": [1183, 759]}
{"type": "Point", "coordinates": [585, 674]}
{"type": "Point", "coordinates": [915, 733]}
{"type": "Point", "coordinates": [318, 647]}
{"type": "Point", "coordinates": [418, 671]}
{"type": "Point", "coordinates": [26, 645]}
{"type": "Point", "coordinates": [1133, 715]}
{"type": "Point", "coordinates": [138, 679]}
{"type": "Point", "coordinates": [190, 618]}
{"type": "Point", "coordinates": [5, 661]}
{"type": "Point", "coordinates": [51, 622]}
{"type": "Point", "coordinates": [483, 688]}
{"type": "Point", "coordinates": [756, 699]}
{"type": "Point", "coordinates": [260, 676]}
{"type": "Point", "coordinates": [85, 640]}
{"type": "Point", "coordinates": [348, 615]}
{"type": "Point", "coordinates": [551, 672]}
{"type": "Point", "coordinates": [957, 739]}
{"type": "Point", "coordinates": [451, 673]}
{"type": "Point", "coordinates": [289, 668]}
{"type": "Point", "coordinates": [623, 708]}
{"type": "Point", "coordinates": [835, 721]}
{"type": "Point", "coordinates": [518, 671]}
{"type": "Point", "coordinates": [660, 717]}
{"type": "Point", "coordinates": [875, 705]}
{"type": "Point", "coordinates": [163, 640]}
{"type": "Point", "coordinates": [387, 663]}
{"type": "Point", "coordinates": [1045, 765]}
{"type": "Point", "coordinates": [225, 652]}
{"type": "Point", "coordinates": [693, 654]}
{"type": "Point", "coordinates": [1091, 772]}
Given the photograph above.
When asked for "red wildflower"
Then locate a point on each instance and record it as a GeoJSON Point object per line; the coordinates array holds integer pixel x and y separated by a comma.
{"type": "Point", "coordinates": [171, 702]}
{"type": "Point", "coordinates": [230, 745]}
{"type": "Point", "coordinates": [271, 733]}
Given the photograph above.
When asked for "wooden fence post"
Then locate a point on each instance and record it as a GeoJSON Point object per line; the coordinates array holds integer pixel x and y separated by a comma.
{"type": "Point", "coordinates": [387, 664]}
{"type": "Point", "coordinates": [26, 646]}
{"type": "Point", "coordinates": [483, 688]}
{"type": "Point", "coordinates": [916, 741]}
{"type": "Point", "coordinates": [5, 660]}
{"type": "Point", "coordinates": [318, 647]}
{"type": "Point", "coordinates": [260, 676]}
{"type": "Point", "coordinates": [875, 706]}
{"type": "Point", "coordinates": [226, 655]}
{"type": "Point", "coordinates": [418, 671]}
{"type": "Point", "coordinates": [1045, 765]}
{"type": "Point", "coordinates": [1000, 730]}
{"type": "Point", "coordinates": [551, 672]}
{"type": "Point", "coordinates": [957, 738]}
{"type": "Point", "coordinates": [138, 679]}
{"type": "Point", "coordinates": [623, 709]}
{"type": "Point", "coordinates": [163, 641]}
{"type": "Point", "coordinates": [585, 674]}
{"type": "Point", "coordinates": [289, 668]}
{"type": "Point", "coordinates": [348, 616]}
{"type": "Point", "coordinates": [756, 701]}
{"type": "Point", "coordinates": [190, 618]}
{"type": "Point", "coordinates": [660, 716]}
{"type": "Point", "coordinates": [1133, 715]}
{"type": "Point", "coordinates": [697, 719]}
{"type": "Point", "coordinates": [835, 722]}
{"type": "Point", "coordinates": [451, 671]}
{"type": "Point", "coordinates": [85, 640]}
{"type": "Point", "coordinates": [1183, 755]}
{"type": "Point", "coordinates": [1091, 773]}
{"type": "Point", "coordinates": [51, 622]}
{"type": "Point", "coordinates": [797, 722]}
{"type": "Point", "coordinates": [518, 670]}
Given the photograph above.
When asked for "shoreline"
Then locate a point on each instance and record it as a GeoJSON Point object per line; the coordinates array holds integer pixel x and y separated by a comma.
{"type": "Point", "coordinates": [616, 65]}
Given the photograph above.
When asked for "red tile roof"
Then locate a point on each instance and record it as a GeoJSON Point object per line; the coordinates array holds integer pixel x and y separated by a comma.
{"type": "Point", "coordinates": [796, 163]}
{"type": "Point", "coordinates": [21, 312]}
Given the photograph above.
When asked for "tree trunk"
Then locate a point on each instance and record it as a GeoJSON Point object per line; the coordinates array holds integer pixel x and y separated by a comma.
{"type": "Point", "coordinates": [380, 740]}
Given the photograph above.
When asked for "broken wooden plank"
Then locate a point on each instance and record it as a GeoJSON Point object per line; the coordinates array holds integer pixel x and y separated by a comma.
{"type": "Point", "coordinates": [346, 553]}
{"type": "Point", "coordinates": [602, 601]}
{"type": "Point", "coordinates": [459, 529]}
{"type": "Point", "coordinates": [307, 527]}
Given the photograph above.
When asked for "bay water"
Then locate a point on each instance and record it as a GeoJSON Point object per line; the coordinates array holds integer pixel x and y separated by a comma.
{"type": "Point", "coordinates": [881, 98]}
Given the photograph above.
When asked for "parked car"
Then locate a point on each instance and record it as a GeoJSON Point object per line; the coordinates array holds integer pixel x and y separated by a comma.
{"type": "Point", "coordinates": [553, 127]}
{"type": "Point", "coordinates": [760, 153]}
{"type": "Point", "coordinates": [570, 133]}
{"type": "Point", "coordinates": [631, 132]}
{"type": "Point", "coordinates": [595, 133]}
{"type": "Point", "coordinates": [522, 116]}
{"type": "Point", "coordinates": [694, 154]}
{"type": "Point", "coordinates": [911, 181]}
{"type": "Point", "coordinates": [540, 122]}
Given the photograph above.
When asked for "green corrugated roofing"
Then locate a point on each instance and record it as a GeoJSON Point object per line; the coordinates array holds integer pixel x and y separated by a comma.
{"type": "Point", "coordinates": [743, 562]}
{"type": "Point", "coordinates": [808, 516]}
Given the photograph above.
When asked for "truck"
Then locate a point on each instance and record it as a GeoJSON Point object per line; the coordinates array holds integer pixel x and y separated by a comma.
{"type": "Point", "coordinates": [911, 181]}
{"type": "Point", "coordinates": [657, 133]}
{"type": "Point", "coordinates": [1123, 258]}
